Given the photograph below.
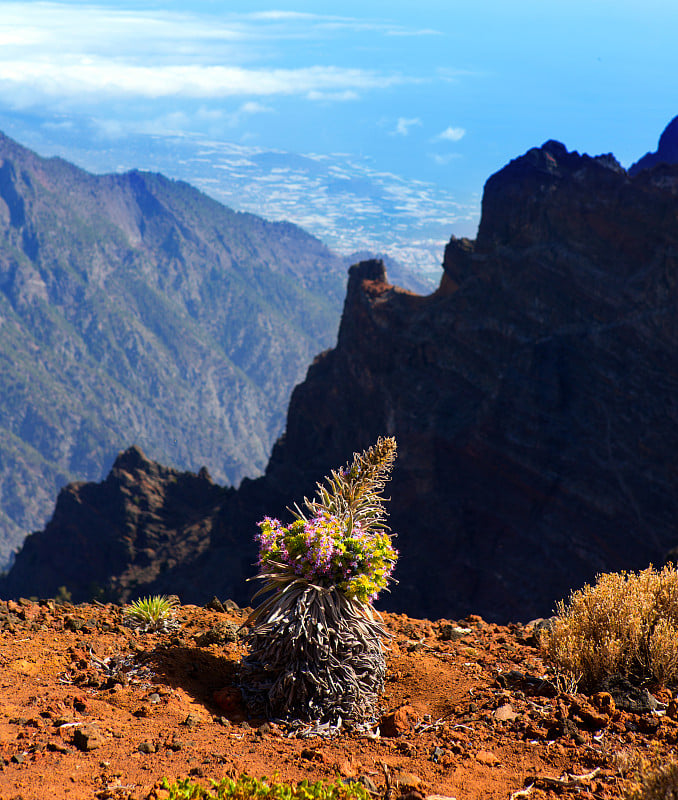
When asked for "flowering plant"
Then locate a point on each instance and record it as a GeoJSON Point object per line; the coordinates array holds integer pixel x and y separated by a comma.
{"type": "Point", "coordinates": [315, 646]}
{"type": "Point", "coordinates": [343, 541]}
{"type": "Point", "coordinates": [324, 551]}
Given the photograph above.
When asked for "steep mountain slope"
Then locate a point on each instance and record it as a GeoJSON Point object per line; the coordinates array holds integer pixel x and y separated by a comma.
{"type": "Point", "coordinates": [533, 397]}
{"type": "Point", "coordinates": [134, 309]}
{"type": "Point", "coordinates": [666, 152]}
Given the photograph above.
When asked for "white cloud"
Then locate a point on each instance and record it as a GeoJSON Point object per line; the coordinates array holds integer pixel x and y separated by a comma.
{"type": "Point", "coordinates": [253, 107]}
{"type": "Point", "coordinates": [79, 52]}
{"type": "Point", "coordinates": [49, 78]}
{"type": "Point", "coordinates": [404, 124]}
{"type": "Point", "coordinates": [443, 159]}
{"type": "Point", "coordinates": [451, 135]}
{"type": "Point", "coordinates": [341, 97]}
{"type": "Point", "coordinates": [421, 32]}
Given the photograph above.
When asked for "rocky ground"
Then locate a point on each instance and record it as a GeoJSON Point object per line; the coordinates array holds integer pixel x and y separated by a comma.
{"type": "Point", "coordinates": [91, 709]}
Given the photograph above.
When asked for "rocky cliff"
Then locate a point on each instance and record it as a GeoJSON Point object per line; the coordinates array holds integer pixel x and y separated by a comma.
{"type": "Point", "coordinates": [105, 539]}
{"type": "Point", "coordinates": [533, 396]}
{"type": "Point", "coordinates": [666, 152]}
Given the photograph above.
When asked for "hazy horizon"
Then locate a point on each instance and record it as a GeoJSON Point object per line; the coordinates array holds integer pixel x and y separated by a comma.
{"type": "Point", "coordinates": [357, 121]}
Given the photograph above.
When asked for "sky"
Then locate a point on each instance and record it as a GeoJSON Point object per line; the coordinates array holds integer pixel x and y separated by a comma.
{"type": "Point", "coordinates": [376, 115]}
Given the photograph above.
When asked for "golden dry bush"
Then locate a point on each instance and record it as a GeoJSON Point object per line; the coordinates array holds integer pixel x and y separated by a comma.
{"type": "Point", "coordinates": [660, 783]}
{"type": "Point", "coordinates": [625, 624]}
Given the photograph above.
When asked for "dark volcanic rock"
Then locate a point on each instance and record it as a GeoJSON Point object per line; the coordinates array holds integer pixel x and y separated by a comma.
{"type": "Point", "coordinates": [666, 152]}
{"type": "Point", "coordinates": [533, 396]}
{"type": "Point", "coordinates": [105, 539]}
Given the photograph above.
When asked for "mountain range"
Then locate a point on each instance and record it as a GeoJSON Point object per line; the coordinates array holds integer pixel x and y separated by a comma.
{"type": "Point", "coordinates": [135, 309]}
{"type": "Point", "coordinates": [533, 397]}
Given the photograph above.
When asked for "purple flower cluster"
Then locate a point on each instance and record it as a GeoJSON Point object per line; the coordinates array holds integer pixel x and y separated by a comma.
{"type": "Point", "coordinates": [323, 550]}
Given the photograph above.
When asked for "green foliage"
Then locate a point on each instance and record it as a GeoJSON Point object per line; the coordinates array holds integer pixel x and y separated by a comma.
{"type": "Point", "coordinates": [63, 596]}
{"type": "Point", "coordinates": [152, 614]}
{"type": "Point", "coordinates": [247, 788]}
{"type": "Point", "coordinates": [626, 624]}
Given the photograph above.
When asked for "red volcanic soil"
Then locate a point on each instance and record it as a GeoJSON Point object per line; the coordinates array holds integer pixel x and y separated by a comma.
{"type": "Point", "coordinates": [91, 709]}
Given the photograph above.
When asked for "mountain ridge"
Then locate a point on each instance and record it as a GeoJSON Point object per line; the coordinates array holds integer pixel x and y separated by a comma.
{"type": "Point", "coordinates": [135, 309]}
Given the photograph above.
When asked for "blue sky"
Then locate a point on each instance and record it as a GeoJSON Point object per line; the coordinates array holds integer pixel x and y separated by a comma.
{"type": "Point", "coordinates": [436, 93]}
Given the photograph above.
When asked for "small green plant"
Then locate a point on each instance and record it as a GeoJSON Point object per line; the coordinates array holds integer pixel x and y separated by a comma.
{"type": "Point", "coordinates": [247, 788]}
{"type": "Point", "coordinates": [315, 645]}
{"type": "Point", "coordinates": [62, 596]}
{"type": "Point", "coordinates": [152, 614]}
{"type": "Point", "coordinates": [626, 624]}
{"type": "Point", "coordinates": [660, 783]}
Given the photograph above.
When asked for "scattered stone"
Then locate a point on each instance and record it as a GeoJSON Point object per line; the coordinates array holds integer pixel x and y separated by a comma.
{"type": "Point", "coordinates": [231, 605]}
{"type": "Point", "coordinates": [347, 769]}
{"type": "Point", "coordinates": [154, 698]}
{"type": "Point", "coordinates": [30, 612]}
{"type": "Point", "coordinates": [437, 754]}
{"type": "Point", "coordinates": [398, 722]}
{"type": "Point", "coordinates": [215, 605]}
{"type": "Point", "coordinates": [87, 737]}
{"type": "Point", "coordinates": [57, 747]}
{"type": "Point", "coordinates": [505, 713]}
{"type": "Point", "coordinates": [487, 757]}
{"type": "Point", "coordinates": [73, 624]}
{"type": "Point", "coordinates": [407, 780]}
{"type": "Point", "coordinates": [147, 747]}
{"type": "Point", "coordinates": [191, 721]}
{"type": "Point", "coordinates": [566, 728]}
{"type": "Point", "coordinates": [310, 754]}
{"type": "Point", "coordinates": [18, 758]}
{"type": "Point", "coordinates": [369, 784]}
{"type": "Point", "coordinates": [175, 745]}
{"type": "Point", "coordinates": [628, 697]}
{"type": "Point", "coordinates": [594, 720]}
{"type": "Point", "coordinates": [229, 699]}
{"type": "Point", "coordinates": [604, 701]}
{"type": "Point", "coordinates": [452, 633]}
{"type": "Point", "coordinates": [221, 633]}
{"type": "Point", "coordinates": [81, 705]}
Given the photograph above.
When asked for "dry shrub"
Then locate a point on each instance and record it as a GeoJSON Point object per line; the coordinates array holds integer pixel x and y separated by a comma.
{"type": "Point", "coordinates": [657, 784]}
{"type": "Point", "coordinates": [626, 624]}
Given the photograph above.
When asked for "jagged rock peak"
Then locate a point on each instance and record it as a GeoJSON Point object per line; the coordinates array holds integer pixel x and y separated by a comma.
{"type": "Point", "coordinates": [370, 270]}
{"type": "Point", "coordinates": [132, 459]}
{"type": "Point", "coordinates": [666, 152]}
{"type": "Point", "coordinates": [538, 197]}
